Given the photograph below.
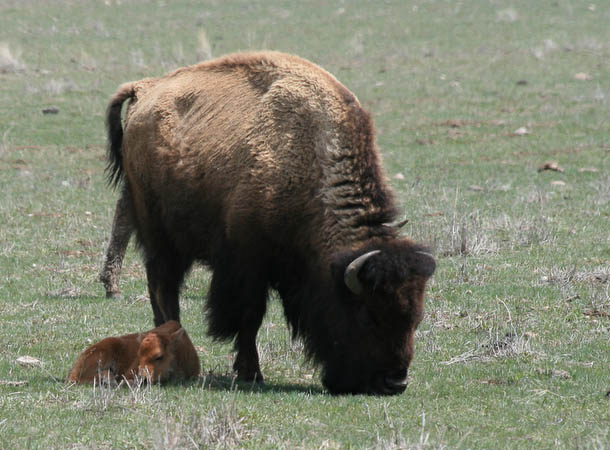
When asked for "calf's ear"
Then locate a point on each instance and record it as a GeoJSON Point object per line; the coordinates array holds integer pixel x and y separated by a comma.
{"type": "Point", "coordinates": [176, 336]}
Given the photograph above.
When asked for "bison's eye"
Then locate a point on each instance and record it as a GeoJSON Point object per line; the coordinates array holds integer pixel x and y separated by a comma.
{"type": "Point", "coordinates": [159, 358]}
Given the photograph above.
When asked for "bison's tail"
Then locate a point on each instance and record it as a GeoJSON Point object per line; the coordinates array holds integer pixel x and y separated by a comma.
{"type": "Point", "coordinates": [114, 128]}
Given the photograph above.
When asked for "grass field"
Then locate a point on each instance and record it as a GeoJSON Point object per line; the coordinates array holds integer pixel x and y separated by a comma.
{"type": "Point", "coordinates": [469, 99]}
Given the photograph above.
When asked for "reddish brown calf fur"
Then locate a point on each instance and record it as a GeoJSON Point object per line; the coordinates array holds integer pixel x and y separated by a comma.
{"type": "Point", "coordinates": [163, 353]}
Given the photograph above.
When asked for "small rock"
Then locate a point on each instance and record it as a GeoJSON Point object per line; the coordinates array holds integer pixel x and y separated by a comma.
{"type": "Point", "coordinates": [588, 169]}
{"type": "Point", "coordinates": [399, 176]}
{"type": "Point", "coordinates": [581, 76]}
{"type": "Point", "coordinates": [50, 110]}
{"type": "Point", "coordinates": [522, 83]}
{"type": "Point", "coordinates": [29, 361]}
{"type": "Point", "coordinates": [558, 183]}
{"type": "Point", "coordinates": [522, 131]}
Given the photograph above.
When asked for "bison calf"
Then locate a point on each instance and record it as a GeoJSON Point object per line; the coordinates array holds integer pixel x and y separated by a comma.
{"type": "Point", "coordinates": [163, 353]}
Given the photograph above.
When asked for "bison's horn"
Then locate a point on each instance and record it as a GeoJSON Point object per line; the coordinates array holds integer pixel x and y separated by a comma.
{"type": "Point", "coordinates": [396, 225]}
{"type": "Point", "coordinates": [351, 272]}
{"type": "Point", "coordinates": [430, 255]}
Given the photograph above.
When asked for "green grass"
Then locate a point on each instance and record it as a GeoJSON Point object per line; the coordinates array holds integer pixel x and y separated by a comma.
{"type": "Point", "coordinates": [514, 351]}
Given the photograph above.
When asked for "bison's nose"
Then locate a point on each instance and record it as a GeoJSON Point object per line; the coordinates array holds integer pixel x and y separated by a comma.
{"type": "Point", "coordinates": [396, 381]}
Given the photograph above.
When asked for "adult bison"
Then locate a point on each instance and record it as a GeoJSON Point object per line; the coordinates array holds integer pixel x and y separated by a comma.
{"type": "Point", "coordinates": [264, 167]}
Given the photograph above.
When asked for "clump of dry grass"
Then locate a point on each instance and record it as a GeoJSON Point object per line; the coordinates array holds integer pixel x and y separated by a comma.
{"type": "Point", "coordinates": [507, 15]}
{"type": "Point", "coordinates": [565, 276]}
{"type": "Point", "coordinates": [58, 87]}
{"type": "Point", "coordinates": [9, 62]}
{"type": "Point", "coordinates": [397, 440]}
{"type": "Point", "coordinates": [108, 394]}
{"type": "Point", "coordinates": [204, 51]}
{"type": "Point", "coordinates": [602, 191]}
{"type": "Point", "coordinates": [4, 142]}
{"type": "Point", "coordinates": [503, 340]}
{"type": "Point", "coordinates": [137, 58]}
{"type": "Point", "coordinates": [455, 235]}
{"type": "Point", "coordinates": [220, 427]}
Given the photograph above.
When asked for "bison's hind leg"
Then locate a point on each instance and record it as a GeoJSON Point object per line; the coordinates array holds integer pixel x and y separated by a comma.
{"type": "Point", "coordinates": [122, 229]}
{"type": "Point", "coordinates": [236, 305]}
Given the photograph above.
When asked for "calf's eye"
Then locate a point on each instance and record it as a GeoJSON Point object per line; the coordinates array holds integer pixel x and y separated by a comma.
{"type": "Point", "coordinates": [159, 358]}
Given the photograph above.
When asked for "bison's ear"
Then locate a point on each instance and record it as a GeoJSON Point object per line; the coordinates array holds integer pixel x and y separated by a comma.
{"type": "Point", "coordinates": [424, 263]}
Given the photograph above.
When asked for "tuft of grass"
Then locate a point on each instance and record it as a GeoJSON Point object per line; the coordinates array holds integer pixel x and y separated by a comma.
{"type": "Point", "coordinates": [219, 427]}
{"type": "Point", "coordinates": [204, 52]}
{"type": "Point", "coordinates": [9, 62]}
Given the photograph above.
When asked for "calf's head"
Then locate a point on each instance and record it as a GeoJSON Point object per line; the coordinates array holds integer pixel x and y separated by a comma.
{"type": "Point", "coordinates": [380, 290]}
{"type": "Point", "coordinates": [157, 354]}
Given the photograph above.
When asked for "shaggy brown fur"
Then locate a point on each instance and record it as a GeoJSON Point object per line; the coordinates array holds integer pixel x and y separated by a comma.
{"type": "Point", "coordinates": [163, 353]}
{"type": "Point", "coordinates": [264, 166]}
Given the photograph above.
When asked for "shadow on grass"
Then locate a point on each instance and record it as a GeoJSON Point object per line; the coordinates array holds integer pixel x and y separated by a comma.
{"type": "Point", "coordinates": [225, 382]}
{"type": "Point", "coordinates": [212, 382]}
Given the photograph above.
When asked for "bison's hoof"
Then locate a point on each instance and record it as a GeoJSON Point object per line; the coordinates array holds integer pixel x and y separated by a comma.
{"type": "Point", "coordinates": [251, 376]}
{"type": "Point", "coordinates": [257, 378]}
{"type": "Point", "coordinates": [117, 295]}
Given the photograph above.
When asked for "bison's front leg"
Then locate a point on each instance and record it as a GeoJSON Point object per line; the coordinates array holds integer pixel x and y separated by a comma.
{"type": "Point", "coordinates": [122, 229]}
{"type": "Point", "coordinates": [246, 362]}
{"type": "Point", "coordinates": [165, 273]}
{"type": "Point", "coordinates": [236, 306]}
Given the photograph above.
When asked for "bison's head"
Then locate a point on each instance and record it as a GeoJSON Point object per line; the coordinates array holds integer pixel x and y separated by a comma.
{"type": "Point", "coordinates": [156, 355]}
{"type": "Point", "coordinates": [371, 328]}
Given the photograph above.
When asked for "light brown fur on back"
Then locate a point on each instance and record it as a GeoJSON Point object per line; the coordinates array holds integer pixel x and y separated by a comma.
{"type": "Point", "coordinates": [199, 128]}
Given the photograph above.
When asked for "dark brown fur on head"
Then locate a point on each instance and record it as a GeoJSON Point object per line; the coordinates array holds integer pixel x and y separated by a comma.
{"type": "Point", "coordinates": [368, 341]}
